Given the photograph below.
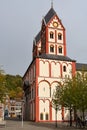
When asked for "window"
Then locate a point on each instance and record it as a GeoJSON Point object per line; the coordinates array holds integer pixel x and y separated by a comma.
{"type": "Point", "coordinates": [46, 116]}
{"type": "Point", "coordinates": [41, 116]}
{"type": "Point", "coordinates": [59, 36]}
{"type": "Point", "coordinates": [51, 48]}
{"type": "Point", "coordinates": [44, 89]}
{"type": "Point", "coordinates": [64, 68]}
{"type": "Point", "coordinates": [39, 53]}
{"type": "Point", "coordinates": [60, 49]}
{"type": "Point", "coordinates": [12, 109]}
{"type": "Point", "coordinates": [51, 35]}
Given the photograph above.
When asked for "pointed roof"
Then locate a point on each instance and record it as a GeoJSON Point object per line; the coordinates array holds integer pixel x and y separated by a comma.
{"type": "Point", "coordinates": [37, 38]}
{"type": "Point", "coordinates": [47, 18]}
{"type": "Point", "coordinates": [49, 15]}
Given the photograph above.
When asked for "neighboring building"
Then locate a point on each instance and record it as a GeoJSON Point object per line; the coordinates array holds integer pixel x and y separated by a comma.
{"type": "Point", "coordinates": [13, 108]}
{"type": "Point", "coordinates": [49, 67]}
{"type": "Point", "coordinates": [1, 111]}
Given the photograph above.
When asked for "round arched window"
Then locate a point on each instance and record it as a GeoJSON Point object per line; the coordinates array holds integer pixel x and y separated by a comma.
{"type": "Point", "coordinates": [60, 49]}
{"type": "Point", "coordinates": [59, 36]}
{"type": "Point", "coordinates": [51, 34]}
{"type": "Point", "coordinates": [51, 48]}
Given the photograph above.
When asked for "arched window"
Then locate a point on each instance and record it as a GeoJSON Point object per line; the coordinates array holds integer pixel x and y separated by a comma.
{"type": "Point", "coordinates": [51, 48]}
{"type": "Point", "coordinates": [41, 116]}
{"type": "Point", "coordinates": [39, 53]}
{"type": "Point", "coordinates": [60, 49]}
{"type": "Point", "coordinates": [64, 68]}
{"type": "Point", "coordinates": [59, 36]}
{"type": "Point", "coordinates": [46, 116]}
{"type": "Point", "coordinates": [51, 35]}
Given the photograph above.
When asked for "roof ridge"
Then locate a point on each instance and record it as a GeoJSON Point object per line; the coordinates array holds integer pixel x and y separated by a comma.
{"type": "Point", "coordinates": [50, 14]}
{"type": "Point", "coordinates": [47, 18]}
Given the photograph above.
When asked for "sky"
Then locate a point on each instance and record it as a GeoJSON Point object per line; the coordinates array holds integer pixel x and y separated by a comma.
{"type": "Point", "coordinates": [20, 21]}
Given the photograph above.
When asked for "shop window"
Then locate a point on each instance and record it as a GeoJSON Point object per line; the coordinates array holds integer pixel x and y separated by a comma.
{"type": "Point", "coordinates": [12, 109]}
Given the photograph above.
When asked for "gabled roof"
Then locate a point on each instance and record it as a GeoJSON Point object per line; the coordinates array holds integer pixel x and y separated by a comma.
{"type": "Point", "coordinates": [47, 18]}
{"type": "Point", "coordinates": [81, 67]}
{"type": "Point", "coordinates": [49, 15]}
{"type": "Point", "coordinates": [37, 38]}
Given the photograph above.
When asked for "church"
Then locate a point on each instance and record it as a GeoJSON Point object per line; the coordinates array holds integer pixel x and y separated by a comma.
{"type": "Point", "coordinates": [50, 65]}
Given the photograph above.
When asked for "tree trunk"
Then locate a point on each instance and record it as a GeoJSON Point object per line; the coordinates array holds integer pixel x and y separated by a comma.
{"type": "Point", "coordinates": [70, 116]}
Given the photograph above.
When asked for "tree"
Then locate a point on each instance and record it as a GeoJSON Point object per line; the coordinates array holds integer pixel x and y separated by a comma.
{"type": "Point", "coordinates": [14, 86]}
{"type": "Point", "coordinates": [82, 92]}
{"type": "Point", "coordinates": [67, 99]}
{"type": "Point", "coordinates": [74, 94]}
{"type": "Point", "coordinates": [56, 101]}
{"type": "Point", "coordinates": [3, 89]}
{"type": "Point", "coordinates": [10, 85]}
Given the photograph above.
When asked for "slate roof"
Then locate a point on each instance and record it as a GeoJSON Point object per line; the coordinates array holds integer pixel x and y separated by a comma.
{"type": "Point", "coordinates": [38, 37]}
{"type": "Point", "coordinates": [49, 15]}
{"type": "Point", "coordinates": [55, 57]}
{"type": "Point", "coordinates": [47, 18]}
{"type": "Point", "coordinates": [81, 66]}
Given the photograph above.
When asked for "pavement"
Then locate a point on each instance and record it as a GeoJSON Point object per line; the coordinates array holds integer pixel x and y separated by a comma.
{"type": "Point", "coordinates": [27, 125]}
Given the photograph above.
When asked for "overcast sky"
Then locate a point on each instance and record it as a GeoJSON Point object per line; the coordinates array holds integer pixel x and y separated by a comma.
{"type": "Point", "coordinates": [20, 21]}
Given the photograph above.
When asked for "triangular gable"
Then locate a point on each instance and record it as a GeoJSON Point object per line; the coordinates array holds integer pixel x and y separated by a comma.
{"type": "Point", "coordinates": [49, 16]}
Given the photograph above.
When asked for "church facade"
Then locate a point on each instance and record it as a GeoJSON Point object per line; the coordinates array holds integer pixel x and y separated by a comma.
{"type": "Point", "coordinates": [49, 67]}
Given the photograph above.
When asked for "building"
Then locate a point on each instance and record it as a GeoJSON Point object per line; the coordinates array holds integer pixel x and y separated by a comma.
{"type": "Point", "coordinates": [49, 67]}
{"type": "Point", "coordinates": [1, 111]}
{"type": "Point", "coordinates": [13, 107]}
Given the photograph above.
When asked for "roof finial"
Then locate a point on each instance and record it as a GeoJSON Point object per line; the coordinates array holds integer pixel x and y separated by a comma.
{"type": "Point", "coordinates": [51, 3]}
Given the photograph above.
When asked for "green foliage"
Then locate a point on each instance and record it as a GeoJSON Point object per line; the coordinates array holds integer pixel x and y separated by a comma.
{"type": "Point", "coordinates": [14, 86]}
{"type": "Point", "coordinates": [10, 85]}
{"type": "Point", "coordinates": [57, 97]}
{"type": "Point", "coordinates": [73, 93]}
{"type": "Point", "coordinates": [2, 85]}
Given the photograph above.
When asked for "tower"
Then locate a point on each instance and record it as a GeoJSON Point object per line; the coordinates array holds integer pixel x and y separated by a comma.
{"type": "Point", "coordinates": [51, 37]}
{"type": "Point", "coordinates": [49, 67]}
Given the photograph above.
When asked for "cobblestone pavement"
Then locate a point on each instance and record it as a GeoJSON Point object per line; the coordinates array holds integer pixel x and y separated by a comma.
{"type": "Point", "coordinates": [17, 125]}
